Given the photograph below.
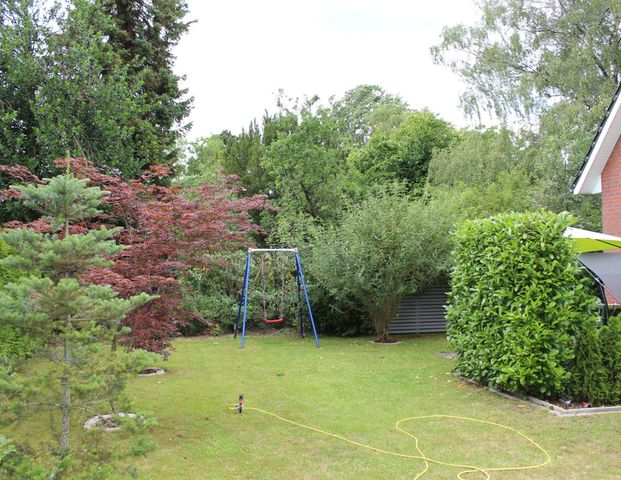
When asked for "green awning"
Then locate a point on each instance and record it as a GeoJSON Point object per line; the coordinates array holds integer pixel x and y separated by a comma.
{"type": "Point", "coordinates": [587, 241]}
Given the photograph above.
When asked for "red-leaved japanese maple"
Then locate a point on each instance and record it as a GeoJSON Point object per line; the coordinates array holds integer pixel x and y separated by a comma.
{"type": "Point", "coordinates": [166, 230]}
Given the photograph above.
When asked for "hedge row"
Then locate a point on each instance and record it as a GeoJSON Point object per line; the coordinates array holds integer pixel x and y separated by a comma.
{"type": "Point", "coordinates": [521, 311]}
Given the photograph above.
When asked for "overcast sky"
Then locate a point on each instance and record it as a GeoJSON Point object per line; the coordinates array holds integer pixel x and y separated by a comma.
{"type": "Point", "coordinates": [239, 53]}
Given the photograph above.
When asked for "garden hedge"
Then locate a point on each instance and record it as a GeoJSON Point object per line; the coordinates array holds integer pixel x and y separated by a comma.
{"type": "Point", "coordinates": [518, 300]}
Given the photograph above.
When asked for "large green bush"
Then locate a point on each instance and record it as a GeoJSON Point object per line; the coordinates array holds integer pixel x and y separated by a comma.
{"type": "Point", "coordinates": [7, 274]}
{"type": "Point", "coordinates": [518, 299]}
{"type": "Point", "coordinates": [384, 248]}
{"type": "Point", "coordinates": [213, 292]}
{"type": "Point", "coordinates": [13, 343]}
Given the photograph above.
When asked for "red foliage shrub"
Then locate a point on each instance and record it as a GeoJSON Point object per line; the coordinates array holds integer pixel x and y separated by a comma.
{"type": "Point", "coordinates": [166, 230]}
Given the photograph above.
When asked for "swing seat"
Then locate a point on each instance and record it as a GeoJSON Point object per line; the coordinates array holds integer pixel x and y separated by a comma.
{"type": "Point", "coordinates": [275, 320]}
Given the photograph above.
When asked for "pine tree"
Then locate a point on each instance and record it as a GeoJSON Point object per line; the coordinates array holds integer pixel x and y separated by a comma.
{"type": "Point", "coordinates": [144, 35]}
{"type": "Point", "coordinates": [77, 322]}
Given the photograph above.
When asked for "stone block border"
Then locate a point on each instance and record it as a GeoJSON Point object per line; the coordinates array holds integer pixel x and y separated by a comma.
{"type": "Point", "coordinates": [556, 410]}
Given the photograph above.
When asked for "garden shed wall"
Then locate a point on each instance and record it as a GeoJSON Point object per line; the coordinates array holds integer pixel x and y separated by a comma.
{"type": "Point", "coordinates": [422, 313]}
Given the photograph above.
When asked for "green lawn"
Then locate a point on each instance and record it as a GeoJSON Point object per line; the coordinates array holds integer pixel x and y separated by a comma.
{"type": "Point", "coordinates": [358, 390]}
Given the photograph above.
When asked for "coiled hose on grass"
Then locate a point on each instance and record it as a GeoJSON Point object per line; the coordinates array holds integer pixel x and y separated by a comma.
{"type": "Point", "coordinates": [465, 469]}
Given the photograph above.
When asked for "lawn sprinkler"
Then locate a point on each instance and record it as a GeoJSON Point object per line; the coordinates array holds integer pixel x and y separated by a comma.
{"type": "Point", "coordinates": [240, 404]}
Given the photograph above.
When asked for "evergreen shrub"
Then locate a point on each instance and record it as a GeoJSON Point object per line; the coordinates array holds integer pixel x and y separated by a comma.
{"type": "Point", "coordinates": [17, 464]}
{"type": "Point", "coordinates": [518, 298]}
{"type": "Point", "coordinates": [13, 343]}
{"type": "Point", "coordinates": [610, 336]}
{"type": "Point", "coordinates": [596, 371]}
{"type": "Point", "coordinates": [7, 274]}
{"type": "Point", "coordinates": [588, 374]}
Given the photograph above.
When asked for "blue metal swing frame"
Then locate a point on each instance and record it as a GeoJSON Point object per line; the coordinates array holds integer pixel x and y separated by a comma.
{"type": "Point", "coordinates": [243, 296]}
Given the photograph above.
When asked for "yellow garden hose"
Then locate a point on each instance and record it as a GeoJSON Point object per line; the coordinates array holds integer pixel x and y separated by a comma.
{"type": "Point", "coordinates": [465, 469]}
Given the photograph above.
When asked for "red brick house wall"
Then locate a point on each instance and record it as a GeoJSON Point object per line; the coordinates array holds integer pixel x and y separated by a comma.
{"type": "Point", "coordinates": [611, 192]}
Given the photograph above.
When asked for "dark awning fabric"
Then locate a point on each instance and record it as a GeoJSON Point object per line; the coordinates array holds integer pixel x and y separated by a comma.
{"type": "Point", "coordinates": [607, 266]}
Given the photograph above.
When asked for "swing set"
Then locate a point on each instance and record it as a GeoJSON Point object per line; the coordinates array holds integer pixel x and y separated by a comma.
{"type": "Point", "coordinates": [301, 286]}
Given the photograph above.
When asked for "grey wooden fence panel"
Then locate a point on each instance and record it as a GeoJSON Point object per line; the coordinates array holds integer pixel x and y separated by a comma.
{"type": "Point", "coordinates": [422, 313]}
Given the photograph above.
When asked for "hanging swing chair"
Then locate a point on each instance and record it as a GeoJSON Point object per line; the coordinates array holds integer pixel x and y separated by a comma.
{"type": "Point", "coordinates": [281, 314]}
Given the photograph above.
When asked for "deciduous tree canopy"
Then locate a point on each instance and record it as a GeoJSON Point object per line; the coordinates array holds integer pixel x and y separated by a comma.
{"type": "Point", "coordinates": [527, 56]}
{"type": "Point", "coordinates": [94, 77]}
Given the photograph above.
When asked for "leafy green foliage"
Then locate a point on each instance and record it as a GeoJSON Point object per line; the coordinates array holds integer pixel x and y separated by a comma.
{"type": "Point", "coordinates": [405, 152]}
{"type": "Point", "coordinates": [91, 76]}
{"type": "Point", "coordinates": [204, 162]}
{"type": "Point", "coordinates": [7, 274]}
{"type": "Point", "coordinates": [22, 31]}
{"type": "Point", "coordinates": [485, 171]}
{"type": "Point", "coordinates": [525, 56]}
{"type": "Point", "coordinates": [588, 376]}
{"type": "Point", "coordinates": [476, 158]}
{"type": "Point", "coordinates": [77, 103]}
{"type": "Point", "coordinates": [364, 110]}
{"type": "Point", "coordinates": [242, 157]}
{"type": "Point", "coordinates": [596, 371]}
{"type": "Point", "coordinates": [492, 171]}
{"type": "Point", "coordinates": [610, 338]}
{"type": "Point", "coordinates": [15, 344]}
{"type": "Point", "coordinates": [213, 291]}
{"type": "Point", "coordinates": [550, 68]}
{"type": "Point", "coordinates": [243, 154]}
{"type": "Point", "coordinates": [144, 35]}
{"type": "Point", "coordinates": [18, 465]}
{"type": "Point", "coordinates": [385, 247]}
{"type": "Point", "coordinates": [308, 176]}
{"type": "Point", "coordinates": [69, 81]}
{"type": "Point", "coordinates": [517, 301]}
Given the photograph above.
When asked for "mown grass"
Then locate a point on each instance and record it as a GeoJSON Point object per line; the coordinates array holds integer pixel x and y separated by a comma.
{"type": "Point", "coordinates": [356, 389]}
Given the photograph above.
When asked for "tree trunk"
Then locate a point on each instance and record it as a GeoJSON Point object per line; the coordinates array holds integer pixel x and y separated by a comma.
{"type": "Point", "coordinates": [382, 317]}
{"type": "Point", "coordinates": [383, 338]}
{"type": "Point", "coordinates": [64, 381]}
{"type": "Point", "coordinates": [381, 326]}
{"type": "Point", "coordinates": [66, 403]}
{"type": "Point", "coordinates": [113, 350]}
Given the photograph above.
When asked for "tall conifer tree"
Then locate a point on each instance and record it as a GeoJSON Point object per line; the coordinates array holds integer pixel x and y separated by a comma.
{"type": "Point", "coordinates": [77, 322]}
{"type": "Point", "coordinates": [145, 33]}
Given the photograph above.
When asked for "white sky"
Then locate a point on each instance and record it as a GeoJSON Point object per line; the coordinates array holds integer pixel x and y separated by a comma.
{"type": "Point", "coordinates": [240, 52]}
